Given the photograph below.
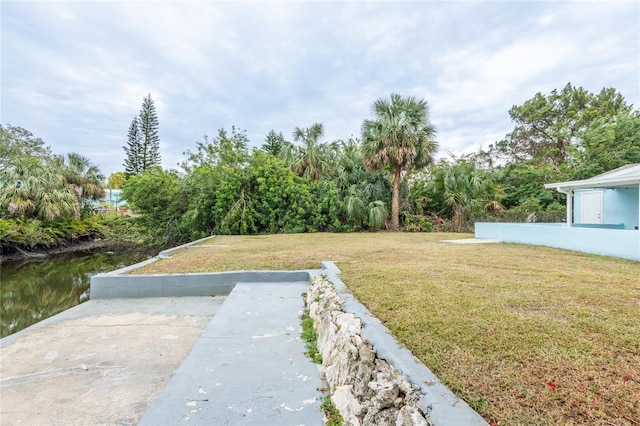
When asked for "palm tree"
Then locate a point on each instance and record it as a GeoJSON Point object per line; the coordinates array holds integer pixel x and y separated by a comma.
{"type": "Point", "coordinates": [32, 188]}
{"type": "Point", "coordinates": [462, 187]}
{"type": "Point", "coordinates": [83, 177]}
{"type": "Point", "coordinates": [365, 194]}
{"type": "Point", "coordinates": [400, 137]}
{"type": "Point", "coordinates": [312, 159]}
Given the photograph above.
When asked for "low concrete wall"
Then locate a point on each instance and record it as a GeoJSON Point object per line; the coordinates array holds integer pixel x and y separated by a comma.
{"type": "Point", "coordinates": [441, 406]}
{"type": "Point", "coordinates": [623, 243]}
{"type": "Point", "coordinates": [119, 284]}
{"type": "Point", "coordinates": [112, 286]}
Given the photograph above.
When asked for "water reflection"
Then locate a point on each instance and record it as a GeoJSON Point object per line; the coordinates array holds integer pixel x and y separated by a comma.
{"type": "Point", "coordinates": [33, 290]}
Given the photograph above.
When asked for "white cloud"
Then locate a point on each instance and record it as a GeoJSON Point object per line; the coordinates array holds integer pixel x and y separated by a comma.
{"type": "Point", "coordinates": [75, 73]}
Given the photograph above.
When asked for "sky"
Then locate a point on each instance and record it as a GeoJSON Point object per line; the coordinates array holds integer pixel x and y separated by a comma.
{"type": "Point", "coordinates": [74, 73]}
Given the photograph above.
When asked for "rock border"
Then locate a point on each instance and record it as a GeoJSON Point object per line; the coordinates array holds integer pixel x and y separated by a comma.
{"type": "Point", "coordinates": [436, 404]}
{"type": "Point", "coordinates": [364, 388]}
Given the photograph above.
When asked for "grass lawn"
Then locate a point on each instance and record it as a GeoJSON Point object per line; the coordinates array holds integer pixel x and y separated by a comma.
{"type": "Point", "coordinates": [526, 335]}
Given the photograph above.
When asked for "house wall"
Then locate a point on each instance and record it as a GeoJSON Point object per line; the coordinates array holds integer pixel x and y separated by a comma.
{"type": "Point", "coordinates": [621, 243]}
{"type": "Point", "coordinates": [620, 205]}
{"type": "Point", "coordinates": [111, 197]}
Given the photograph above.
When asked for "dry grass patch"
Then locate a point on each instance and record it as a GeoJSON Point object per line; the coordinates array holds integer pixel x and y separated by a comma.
{"type": "Point", "coordinates": [526, 335]}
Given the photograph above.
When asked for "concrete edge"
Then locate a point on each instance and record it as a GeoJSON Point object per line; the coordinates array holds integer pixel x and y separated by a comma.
{"type": "Point", "coordinates": [120, 284]}
{"type": "Point", "coordinates": [441, 406]}
{"type": "Point", "coordinates": [168, 252]}
{"type": "Point", "coordinates": [472, 241]}
{"type": "Point", "coordinates": [111, 286]}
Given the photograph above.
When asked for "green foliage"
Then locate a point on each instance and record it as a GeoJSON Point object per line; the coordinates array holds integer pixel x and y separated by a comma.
{"type": "Point", "coordinates": [262, 196]}
{"type": "Point", "coordinates": [608, 143]}
{"type": "Point", "coordinates": [42, 195]}
{"type": "Point", "coordinates": [312, 159]}
{"type": "Point", "coordinates": [229, 150]}
{"type": "Point", "coordinates": [548, 127]}
{"type": "Point", "coordinates": [556, 207]}
{"type": "Point", "coordinates": [310, 337]}
{"type": "Point", "coordinates": [454, 189]}
{"type": "Point", "coordinates": [417, 223]}
{"type": "Point", "coordinates": [526, 180]}
{"type": "Point", "coordinates": [116, 180]}
{"type": "Point", "coordinates": [331, 413]}
{"type": "Point", "coordinates": [150, 141]}
{"type": "Point", "coordinates": [133, 149]}
{"type": "Point", "coordinates": [152, 192]}
{"type": "Point", "coordinates": [29, 234]}
{"type": "Point", "coordinates": [364, 194]}
{"type": "Point", "coordinates": [35, 187]}
{"type": "Point", "coordinates": [566, 135]}
{"type": "Point", "coordinates": [17, 143]}
{"type": "Point", "coordinates": [154, 195]}
{"type": "Point", "coordinates": [377, 214]}
{"type": "Point", "coordinates": [122, 228]}
{"type": "Point", "coordinates": [83, 178]}
{"type": "Point", "coordinates": [281, 201]}
{"type": "Point", "coordinates": [325, 214]}
{"type": "Point", "coordinates": [315, 186]}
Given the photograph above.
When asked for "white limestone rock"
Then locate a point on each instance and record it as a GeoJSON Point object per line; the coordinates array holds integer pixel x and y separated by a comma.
{"type": "Point", "coordinates": [347, 404]}
{"type": "Point", "coordinates": [326, 337]}
{"type": "Point", "coordinates": [384, 418]}
{"type": "Point", "coordinates": [410, 416]}
{"type": "Point", "coordinates": [386, 394]}
{"type": "Point", "coordinates": [341, 365]}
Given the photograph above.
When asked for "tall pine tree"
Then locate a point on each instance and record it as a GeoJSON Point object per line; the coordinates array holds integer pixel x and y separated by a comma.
{"type": "Point", "coordinates": [143, 146]}
{"type": "Point", "coordinates": [149, 129]}
{"type": "Point", "coordinates": [133, 164]}
{"type": "Point", "coordinates": [274, 143]}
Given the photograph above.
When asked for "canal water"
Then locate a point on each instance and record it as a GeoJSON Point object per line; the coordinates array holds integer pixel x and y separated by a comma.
{"type": "Point", "coordinates": [32, 290]}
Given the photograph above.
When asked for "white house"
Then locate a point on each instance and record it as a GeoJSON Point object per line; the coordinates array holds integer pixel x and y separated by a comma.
{"type": "Point", "coordinates": [603, 214]}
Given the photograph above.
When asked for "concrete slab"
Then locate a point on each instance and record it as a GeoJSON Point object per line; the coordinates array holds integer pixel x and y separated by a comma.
{"type": "Point", "coordinates": [248, 367]}
{"type": "Point", "coordinates": [471, 241]}
{"type": "Point", "coordinates": [101, 362]}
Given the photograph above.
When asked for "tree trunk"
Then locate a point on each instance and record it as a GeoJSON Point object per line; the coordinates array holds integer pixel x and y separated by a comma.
{"type": "Point", "coordinates": [395, 200]}
{"type": "Point", "coordinates": [458, 218]}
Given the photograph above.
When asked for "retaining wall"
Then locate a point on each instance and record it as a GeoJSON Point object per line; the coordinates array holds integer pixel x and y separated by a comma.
{"type": "Point", "coordinates": [112, 286]}
{"type": "Point", "coordinates": [120, 284]}
{"type": "Point", "coordinates": [436, 401]}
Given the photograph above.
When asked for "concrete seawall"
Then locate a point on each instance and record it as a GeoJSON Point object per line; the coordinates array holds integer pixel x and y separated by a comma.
{"type": "Point", "coordinates": [118, 285]}
{"type": "Point", "coordinates": [121, 284]}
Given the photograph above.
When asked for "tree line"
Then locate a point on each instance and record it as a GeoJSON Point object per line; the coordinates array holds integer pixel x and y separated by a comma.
{"type": "Point", "coordinates": [45, 198]}
{"type": "Point", "coordinates": [306, 186]}
{"type": "Point", "coordinates": [386, 178]}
